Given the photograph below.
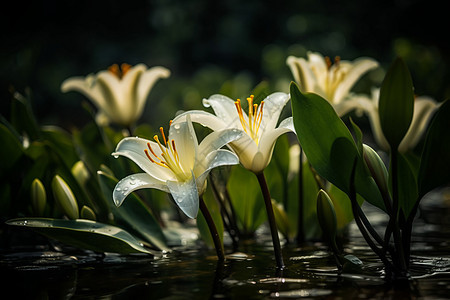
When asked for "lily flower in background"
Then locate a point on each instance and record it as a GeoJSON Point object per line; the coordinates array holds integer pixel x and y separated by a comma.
{"type": "Point", "coordinates": [119, 93]}
{"type": "Point", "coordinates": [259, 128]}
{"type": "Point", "coordinates": [177, 164]}
{"type": "Point", "coordinates": [332, 81]}
{"type": "Point", "coordinates": [424, 107]}
{"type": "Point", "coordinates": [255, 147]}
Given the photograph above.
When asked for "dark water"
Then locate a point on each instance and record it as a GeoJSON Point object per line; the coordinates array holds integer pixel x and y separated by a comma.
{"type": "Point", "coordinates": [192, 272]}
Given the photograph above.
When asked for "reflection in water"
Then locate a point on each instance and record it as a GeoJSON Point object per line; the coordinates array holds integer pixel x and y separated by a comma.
{"type": "Point", "coordinates": [194, 273]}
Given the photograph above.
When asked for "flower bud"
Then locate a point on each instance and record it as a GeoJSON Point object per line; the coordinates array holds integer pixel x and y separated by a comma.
{"type": "Point", "coordinates": [80, 172]}
{"type": "Point", "coordinates": [377, 168]}
{"type": "Point", "coordinates": [38, 197]}
{"type": "Point", "coordinates": [326, 215]}
{"type": "Point", "coordinates": [87, 213]}
{"type": "Point", "coordinates": [65, 198]}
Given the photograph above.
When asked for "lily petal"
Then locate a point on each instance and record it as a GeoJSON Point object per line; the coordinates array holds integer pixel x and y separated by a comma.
{"type": "Point", "coordinates": [359, 68]}
{"type": "Point", "coordinates": [216, 140]}
{"type": "Point", "coordinates": [112, 91]}
{"type": "Point", "coordinates": [202, 117]}
{"type": "Point", "coordinates": [146, 83]}
{"type": "Point", "coordinates": [225, 109]}
{"type": "Point", "coordinates": [128, 102]}
{"type": "Point", "coordinates": [319, 66]}
{"type": "Point", "coordinates": [273, 106]}
{"type": "Point", "coordinates": [134, 182]}
{"type": "Point", "coordinates": [213, 160]}
{"type": "Point", "coordinates": [185, 195]}
{"type": "Point", "coordinates": [86, 87]}
{"type": "Point", "coordinates": [424, 107]}
{"type": "Point", "coordinates": [245, 148]}
{"type": "Point", "coordinates": [302, 73]}
{"type": "Point", "coordinates": [267, 144]}
{"type": "Point", "coordinates": [133, 148]}
{"type": "Point", "coordinates": [186, 143]}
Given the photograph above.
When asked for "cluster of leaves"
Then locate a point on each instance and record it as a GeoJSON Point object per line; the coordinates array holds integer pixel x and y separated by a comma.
{"type": "Point", "coordinates": [62, 179]}
{"type": "Point", "coordinates": [357, 169]}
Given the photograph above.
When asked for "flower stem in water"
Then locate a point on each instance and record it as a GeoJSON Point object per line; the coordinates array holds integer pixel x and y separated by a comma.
{"type": "Point", "coordinates": [271, 218]}
{"type": "Point", "coordinates": [212, 229]}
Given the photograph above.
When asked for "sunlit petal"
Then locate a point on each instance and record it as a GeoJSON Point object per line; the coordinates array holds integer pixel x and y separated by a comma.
{"type": "Point", "coordinates": [216, 140]}
{"type": "Point", "coordinates": [360, 67]}
{"type": "Point", "coordinates": [424, 107]}
{"type": "Point", "coordinates": [84, 86]}
{"type": "Point", "coordinates": [133, 148]}
{"type": "Point", "coordinates": [202, 117]}
{"type": "Point", "coordinates": [273, 106]}
{"type": "Point", "coordinates": [213, 160]}
{"type": "Point", "coordinates": [134, 182]}
{"type": "Point", "coordinates": [225, 109]}
{"type": "Point", "coordinates": [146, 83]}
{"type": "Point", "coordinates": [302, 73]}
{"type": "Point", "coordinates": [186, 143]}
{"type": "Point", "coordinates": [185, 195]}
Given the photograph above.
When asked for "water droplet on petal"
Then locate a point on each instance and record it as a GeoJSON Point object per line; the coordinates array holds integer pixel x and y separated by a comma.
{"type": "Point", "coordinates": [132, 183]}
{"type": "Point", "coordinates": [125, 189]}
{"type": "Point", "coordinates": [177, 126]}
{"type": "Point", "coordinates": [118, 189]}
{"type": "Point", "coordinates": [116, 156]}
{"type": "Point", "coordinates": [132, 177]}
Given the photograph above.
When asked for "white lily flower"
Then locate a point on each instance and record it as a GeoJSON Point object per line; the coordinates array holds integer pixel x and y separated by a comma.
{"type": "Point", "coordinates": [260, 133]}
{"type": "Point", "coordinates": [119, 94]}
{"type": "Point", "coordinates": [424, 107]}
{"type": "Point", "coordinates": [332, 81]}
{"type": "Point", "coordinates": [176, 165]}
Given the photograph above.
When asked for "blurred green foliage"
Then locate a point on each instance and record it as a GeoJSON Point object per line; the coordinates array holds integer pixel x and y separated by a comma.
{"type": "Point", "coordinates": [206, 44]}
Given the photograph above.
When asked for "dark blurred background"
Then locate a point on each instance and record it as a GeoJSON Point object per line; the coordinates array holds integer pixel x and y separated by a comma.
{"type": "Point", "coordinates": [210, 46]}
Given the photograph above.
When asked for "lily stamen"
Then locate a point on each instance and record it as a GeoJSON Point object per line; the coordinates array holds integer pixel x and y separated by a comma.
{"type": "Point", "coordinates": [251, 126]}
{"type": "Point", "coordinates": [168, 158]}
{"type": "Point", "coordinates": [163, 135]}
{"type": "Point", "coordinates": [119, 71]}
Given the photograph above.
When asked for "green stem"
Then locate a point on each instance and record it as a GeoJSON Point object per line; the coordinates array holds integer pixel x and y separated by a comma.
{"type": "Point", "coordinates": [225, 214]}
{"type": "Point", "coordinates": [300, 229]}
{"type": "Point", "coordinates": [395, 213]}
{"type": "Point", "coordinates": [271, 218]}
{"type": "Point", "coordinates": [212, 229]}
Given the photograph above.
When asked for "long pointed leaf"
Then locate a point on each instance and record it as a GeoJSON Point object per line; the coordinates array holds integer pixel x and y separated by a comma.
{"type": "Point", "coordinates": [396, 104]}
{"type": "Point", "coordinates": [329, 145]}
{"type": "Point", "coordinates": [133, 215]}
{"type": "Point", "coordinates": [84, 234]}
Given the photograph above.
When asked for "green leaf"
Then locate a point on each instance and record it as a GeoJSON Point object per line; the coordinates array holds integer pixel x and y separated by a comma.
{"type": "Point", "coordinates": [329, 145]}
{"type": "Point", "coordinates": [84, 234]}
{"type": "Point", "coordinates": [358, 136]}
{"type": "Point", "coordinates": [246, 198]}
{"type": "Point", "coordinates": [61, 142]}
{"type": "Point", "coordinates": [22, 117]}
{"type": "Point", "coordinates": [434, 169]}
{"type": "Point", "coordinates": [133, 215]}
{"type": "Point", "coordinates": [396, 105]}
{"type": "Point", "coordinates": [10, 149]}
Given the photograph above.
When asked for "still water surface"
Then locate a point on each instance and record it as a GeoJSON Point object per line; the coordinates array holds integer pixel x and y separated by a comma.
{"type": "Point", "coordinates": [192, 272]}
